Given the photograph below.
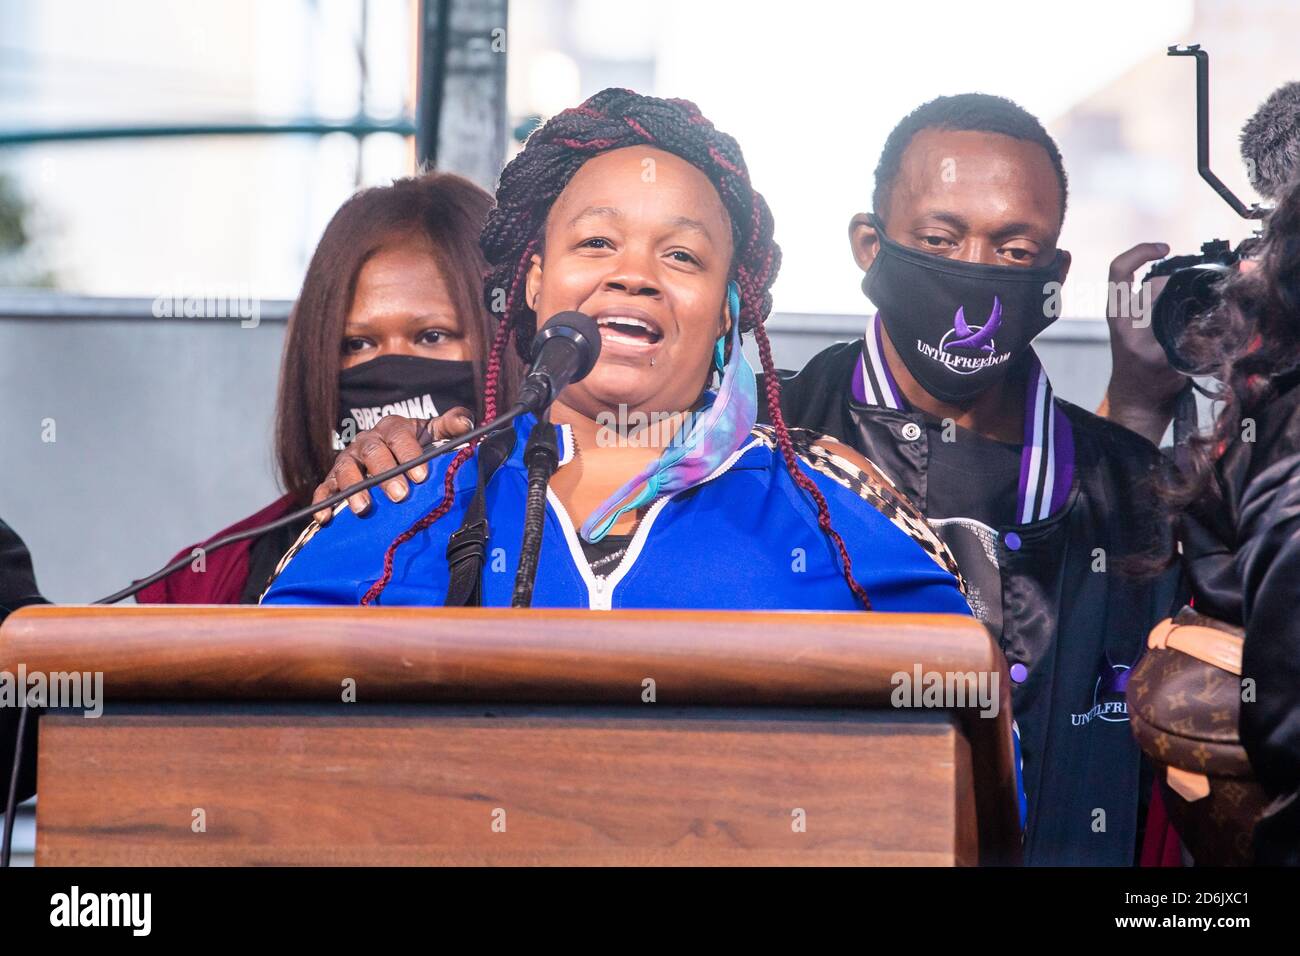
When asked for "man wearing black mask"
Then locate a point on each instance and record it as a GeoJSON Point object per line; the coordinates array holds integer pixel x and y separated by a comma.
{"type": "Point", "coordinates": [1039, 500]}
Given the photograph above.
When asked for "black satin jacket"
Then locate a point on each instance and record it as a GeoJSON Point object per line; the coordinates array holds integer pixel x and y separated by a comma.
{"type": "Point", "coordinates": [1242, 553]}
{"type": "Point", "coordinates": [1074, 629]}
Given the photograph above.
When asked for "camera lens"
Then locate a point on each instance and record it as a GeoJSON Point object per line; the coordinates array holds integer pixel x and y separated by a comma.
{"type": "Point", "coordinates": [1190, 293]}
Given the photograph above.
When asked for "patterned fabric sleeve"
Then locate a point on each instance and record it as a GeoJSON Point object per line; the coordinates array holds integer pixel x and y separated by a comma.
{"type": "Point", "coordinates": [873, 486]}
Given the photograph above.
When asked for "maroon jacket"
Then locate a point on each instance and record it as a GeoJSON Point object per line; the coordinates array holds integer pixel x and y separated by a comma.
{"type": "Point", "coordinates": [225, 573]}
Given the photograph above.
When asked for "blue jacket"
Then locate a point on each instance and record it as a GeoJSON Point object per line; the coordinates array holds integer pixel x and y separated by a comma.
{"type": "Point", "coordinates": [744, 539]}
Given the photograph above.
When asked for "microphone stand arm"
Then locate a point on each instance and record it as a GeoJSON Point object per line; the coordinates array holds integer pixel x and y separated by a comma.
{"type": "Point", "coordinates": [542, 457]}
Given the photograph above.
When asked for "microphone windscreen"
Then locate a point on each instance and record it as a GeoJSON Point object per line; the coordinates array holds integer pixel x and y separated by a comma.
{"type": "Point", "coordinates": [1270, 142]}
{"type": "Point", "coordinates": [577, 326]}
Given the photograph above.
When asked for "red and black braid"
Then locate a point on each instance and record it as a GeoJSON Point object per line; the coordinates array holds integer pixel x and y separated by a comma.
{"type": "Point", "coordinates": [800, 477]}
{"type": "Point", "coordinates": [533, 180]}
{"type": "Point", "coordinates": [491, 387]}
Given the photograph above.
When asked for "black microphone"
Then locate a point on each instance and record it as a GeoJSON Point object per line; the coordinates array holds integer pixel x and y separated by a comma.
{"type": "Point", "coordinates": [565, 350]}
{"type": "Point", "coordinates": [434, 451]}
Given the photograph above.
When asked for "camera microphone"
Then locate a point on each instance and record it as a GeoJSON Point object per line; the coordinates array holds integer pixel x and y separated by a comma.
{"type": "Point", "coordinates": [1270, 141]}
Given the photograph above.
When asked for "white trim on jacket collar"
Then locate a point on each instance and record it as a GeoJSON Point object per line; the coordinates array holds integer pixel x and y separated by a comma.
{"type": "Point", "coordinates": [1047, 448]}
{"type": "Point", "coordinates": [600, 595]}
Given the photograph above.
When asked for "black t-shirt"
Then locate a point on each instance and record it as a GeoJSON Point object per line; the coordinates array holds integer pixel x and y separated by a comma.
{"type": "Point", "coordinates": [972, 476]}
{"type": "Point", "coordinates": [604, 555]}
{"type": "Point", "coordinates": [973, 483]}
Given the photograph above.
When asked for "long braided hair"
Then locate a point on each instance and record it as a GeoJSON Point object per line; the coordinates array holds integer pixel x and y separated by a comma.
{"type": "Point", "coordinates": [1248, 340]}
{"type": "Point", "coordinates": [530, 184]}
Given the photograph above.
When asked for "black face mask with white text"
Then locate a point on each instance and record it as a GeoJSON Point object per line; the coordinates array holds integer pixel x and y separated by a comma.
{"type": "Point", "coordinates": [958, 326]}
{"type": "Point", "coordinates": [407, 385]}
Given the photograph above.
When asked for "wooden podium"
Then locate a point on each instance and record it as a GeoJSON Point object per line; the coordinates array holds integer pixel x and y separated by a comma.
{"type": "Point", "coordinates": [513, 737]}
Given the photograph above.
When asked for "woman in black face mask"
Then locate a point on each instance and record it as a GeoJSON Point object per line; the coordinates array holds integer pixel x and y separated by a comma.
{"type": "Point", "coordinates": [389, 321]}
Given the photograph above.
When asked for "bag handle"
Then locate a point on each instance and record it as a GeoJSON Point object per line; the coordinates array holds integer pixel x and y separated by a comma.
{"type": "Point", "coordinates": [1208, 644]}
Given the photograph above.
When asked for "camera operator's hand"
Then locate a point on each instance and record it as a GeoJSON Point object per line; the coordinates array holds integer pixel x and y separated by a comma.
{"type": "Point", "coordinates": [392, 441]}
{"type": "Point", "coordinates": [1143, 386]}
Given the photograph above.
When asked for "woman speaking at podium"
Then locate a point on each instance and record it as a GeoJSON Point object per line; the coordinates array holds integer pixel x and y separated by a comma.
{"type": "Point", "coordinates": [637, 212]}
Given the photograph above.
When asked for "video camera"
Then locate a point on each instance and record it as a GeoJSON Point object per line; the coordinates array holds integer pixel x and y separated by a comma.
{"type": "Point", "coordinates": [1193, 279]}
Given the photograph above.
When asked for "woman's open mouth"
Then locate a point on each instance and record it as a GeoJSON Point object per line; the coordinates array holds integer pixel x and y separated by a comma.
{"type": "Point", "coordinates": [628, 331]}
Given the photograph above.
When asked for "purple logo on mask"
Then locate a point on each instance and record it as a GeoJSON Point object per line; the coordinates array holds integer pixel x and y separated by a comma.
{"type": "Point", "coordinates": [979, 338]}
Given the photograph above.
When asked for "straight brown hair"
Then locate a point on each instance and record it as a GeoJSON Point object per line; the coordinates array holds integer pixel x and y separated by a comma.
{"type": "Point", "coordinates": [442, 209]}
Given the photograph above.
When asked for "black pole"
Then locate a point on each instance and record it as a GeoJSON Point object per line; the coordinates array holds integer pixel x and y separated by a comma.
{"type": "Point", "coordinates": [541, 457]}
{"type": "Point", "coordinates": [435, 22]}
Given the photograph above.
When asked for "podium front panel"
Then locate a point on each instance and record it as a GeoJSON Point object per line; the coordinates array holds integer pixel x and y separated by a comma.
{"type": "Point", "coordinates": [202, 784]}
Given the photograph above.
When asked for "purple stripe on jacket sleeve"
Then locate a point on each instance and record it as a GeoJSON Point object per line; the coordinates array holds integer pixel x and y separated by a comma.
{"type": "Point", "coordinates": [859, 387]}
{"type": "Point", "coordinates": [1027, 451]}
{"type": "Point", "coordinates": [1064, 477]}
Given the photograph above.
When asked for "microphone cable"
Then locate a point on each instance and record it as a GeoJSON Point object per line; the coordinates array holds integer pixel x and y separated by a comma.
{"type": "Point", "coordinates": [308, 510]}
{"type": "Point", "coordinates": [11, 801]}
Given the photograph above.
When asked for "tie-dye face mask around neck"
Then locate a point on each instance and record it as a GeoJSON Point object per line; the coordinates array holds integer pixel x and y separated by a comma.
{"type": "Point", "coordinates": [707, 438]}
